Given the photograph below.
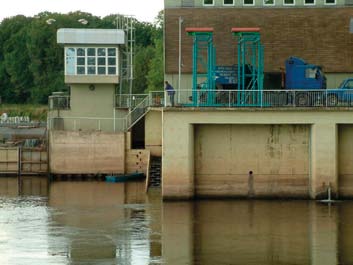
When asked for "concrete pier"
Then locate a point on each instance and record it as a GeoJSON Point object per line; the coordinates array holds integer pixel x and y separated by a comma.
{"type": "Point", "coordinates": [291, 153]}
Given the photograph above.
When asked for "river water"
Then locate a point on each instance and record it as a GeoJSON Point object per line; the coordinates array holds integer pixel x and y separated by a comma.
{"type": "Point", "coordinates": [106, 223]}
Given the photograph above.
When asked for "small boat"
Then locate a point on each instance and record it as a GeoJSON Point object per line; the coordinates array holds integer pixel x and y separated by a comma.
{"type": "Point", "coordinates": [125, 177]}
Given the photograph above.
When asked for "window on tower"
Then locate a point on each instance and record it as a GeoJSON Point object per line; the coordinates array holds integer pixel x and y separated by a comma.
{"type": "Point", "coordinates": [208, 2]}
{"type": "Point", "coordinates": [228, 2]}
{"type": "Point", "coordinates": [91, 61]}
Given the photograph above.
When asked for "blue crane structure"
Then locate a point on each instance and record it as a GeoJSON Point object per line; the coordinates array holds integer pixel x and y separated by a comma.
{"type": "Point", "coordinates": [250, 66]}
{"type": "Point", "coordinates": [203, 65]}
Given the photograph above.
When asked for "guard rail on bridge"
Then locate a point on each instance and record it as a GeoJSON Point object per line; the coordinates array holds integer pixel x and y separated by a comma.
{"type": "Point", "coordinates": [138, 104]}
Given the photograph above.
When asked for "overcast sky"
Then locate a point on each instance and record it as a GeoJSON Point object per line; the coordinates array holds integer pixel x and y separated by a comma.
{"type": "Point", "coordinates": [143, 10]}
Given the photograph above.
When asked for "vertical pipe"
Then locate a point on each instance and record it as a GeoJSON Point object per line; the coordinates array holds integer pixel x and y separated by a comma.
{"type": "Point", "coordinates": [194, 71]}
{"type": "Point", "coordinates": [114, 114]}
{"type": "Point", "coordinates": [179, 66]}
{"type": "Point", "coordinates": [130, 40]}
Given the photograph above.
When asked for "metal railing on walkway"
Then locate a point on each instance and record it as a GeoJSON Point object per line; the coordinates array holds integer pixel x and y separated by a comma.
{"type": "Point", "coordinates": [87, 123]}
{"type": "Point", "coordinates": [137, 113]}
{"type": "Point", "coordinates": [265, 98]}
{"type": "Point", "coordinates": [59, 102]}
{"type": "Point", "coordinates": [156, 99]}
{"type": "Point", "coordinates": [139, 104]}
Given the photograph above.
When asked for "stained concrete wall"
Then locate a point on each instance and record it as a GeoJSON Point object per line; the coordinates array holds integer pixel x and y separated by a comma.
{"type": "Point", "coordinates": [9, 160]}
{"type": "Point", "coordinates": [153, 132]}
{"type": "Point", "coordinates": [277, 156]}
{"type": "Point", "coordinates": [313, 152]}
{"type": "Point", "coordinates": [86, 152]}
{"type": "Point", "coordinates": [345, 147]}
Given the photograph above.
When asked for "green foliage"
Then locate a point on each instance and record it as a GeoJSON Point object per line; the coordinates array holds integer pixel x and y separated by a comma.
{"type": "Point", "coordinates": [143, 57]}
{"type": "Point", "coordinates": [32, 63]}
{"type": "Point", "coordinates": [155, 74]}
{"type": "Point", "coordinates": [33, 111]}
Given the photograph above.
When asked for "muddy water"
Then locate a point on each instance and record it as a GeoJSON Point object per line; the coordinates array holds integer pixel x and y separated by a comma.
{"type": "Point", "coordinates": [104, 223]}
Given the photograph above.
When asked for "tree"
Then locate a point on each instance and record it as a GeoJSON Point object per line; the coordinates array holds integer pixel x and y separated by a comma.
{"type": "Point", "coordinates": [142, 60]}
{"type": "Point", "coordinates": [32, 63]}
{"type": "Point", "coordinates": [155, 74]}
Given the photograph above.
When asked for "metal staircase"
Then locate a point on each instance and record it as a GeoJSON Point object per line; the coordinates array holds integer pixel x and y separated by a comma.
{"type": "Point", "coordinates": [137, 113]}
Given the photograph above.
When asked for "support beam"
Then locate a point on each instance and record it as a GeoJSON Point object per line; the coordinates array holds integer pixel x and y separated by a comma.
{"type": "Point", "coordinates": [324, 163]}
{"type": "Point", "coordinates": [178, 162]}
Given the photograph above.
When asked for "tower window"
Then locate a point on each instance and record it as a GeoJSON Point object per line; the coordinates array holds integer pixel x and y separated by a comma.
{"type": "Point", "coordinates": [208, 2]}
{"type": "Point", "coordinates": [228, 2]}
{"type": "Point", "coordinates": [91, 61]}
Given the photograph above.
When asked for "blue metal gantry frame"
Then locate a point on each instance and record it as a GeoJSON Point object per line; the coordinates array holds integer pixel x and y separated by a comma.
{"type": "Point", "coordinates": [250, 66]}
{"type": "Point", "coordinates": [203, 66]}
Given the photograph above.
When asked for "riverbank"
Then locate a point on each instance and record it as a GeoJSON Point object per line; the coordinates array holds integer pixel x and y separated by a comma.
{"type": "Point", "coordinates": [34, 112]}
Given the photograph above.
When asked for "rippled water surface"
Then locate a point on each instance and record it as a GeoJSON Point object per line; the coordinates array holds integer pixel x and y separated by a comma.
{"type": "Point", "coordinates": [105, 223]}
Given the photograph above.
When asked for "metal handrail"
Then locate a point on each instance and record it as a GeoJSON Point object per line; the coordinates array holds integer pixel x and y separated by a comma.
{"type": "Point", "coordinates": [96, 122]}
{"type": "Point", "coordinates": [265, 98]}
{"type": "Point", "coordinates": [128, 101]}
{"type": "Point", "coordinates": [137, 113]}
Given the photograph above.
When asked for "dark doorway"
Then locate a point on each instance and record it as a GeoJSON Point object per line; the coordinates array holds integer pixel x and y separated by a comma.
{"type": "Point", "coordinates": [138, 135]}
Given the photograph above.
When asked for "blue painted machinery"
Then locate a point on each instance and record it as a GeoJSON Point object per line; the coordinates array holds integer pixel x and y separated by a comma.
{"type": "Point", "coordinates": [250, 66]}
{"type": "Point", "coordinates": [203, 68]}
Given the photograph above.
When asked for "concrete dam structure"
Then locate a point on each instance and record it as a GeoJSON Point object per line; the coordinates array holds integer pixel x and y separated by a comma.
{"type": "Point", "coordinates": [257, 154]}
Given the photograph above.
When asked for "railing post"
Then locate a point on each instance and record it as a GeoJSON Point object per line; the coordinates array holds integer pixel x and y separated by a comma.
{"type": "Point", "coordinates": [229, 98]}
{"type": "Point", "coordinates": [326, 98]}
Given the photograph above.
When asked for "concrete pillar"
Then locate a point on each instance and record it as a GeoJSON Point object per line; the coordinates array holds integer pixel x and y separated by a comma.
{"type": "Point", "coordinates": [178, 232]}
{"type": "Point", "coordinates": [324, 159]}
{"type": "Point", "coordinates": [153, 132]}
{"type": "Point", "coordinates": [323, 234]}
{"type": "Point", "coordinates": [178, 158]}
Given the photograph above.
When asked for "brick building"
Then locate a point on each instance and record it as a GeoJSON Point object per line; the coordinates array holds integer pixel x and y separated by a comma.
{"type": "Point", "coordinates": [315, 30]}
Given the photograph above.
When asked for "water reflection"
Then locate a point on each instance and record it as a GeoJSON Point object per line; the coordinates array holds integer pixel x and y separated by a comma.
{"type": "Point", "coordinates": [107, 223]}
{"type": "Point", "coordinates": [31, 186]}
{"type": "Point", "coordinates": [252, 232]}
{"type": "Point", "coordinates": [103, 222]}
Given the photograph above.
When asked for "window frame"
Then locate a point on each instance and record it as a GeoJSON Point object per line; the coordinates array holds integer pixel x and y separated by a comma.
{"type": "Point", "coordinates": [311, 4]}
{"type": "Point", "coordinates": [232, 4]}
{"type": "Point", "coordinates": [91, 61]}
{"type": "Point", "coordinates": [204, 4]}
{"type": "Point", "coordinates": [274, 3]}
{"type": "Point", "coordinates": [330, 4]}
{"type": "Point", "coordinates": [288, 4]}
{"type": "Point", "coordinates": [253, 3]}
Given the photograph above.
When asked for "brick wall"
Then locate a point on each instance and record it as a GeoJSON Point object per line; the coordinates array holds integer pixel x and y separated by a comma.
{"type": "Point", "coordinates": [318, 35]}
